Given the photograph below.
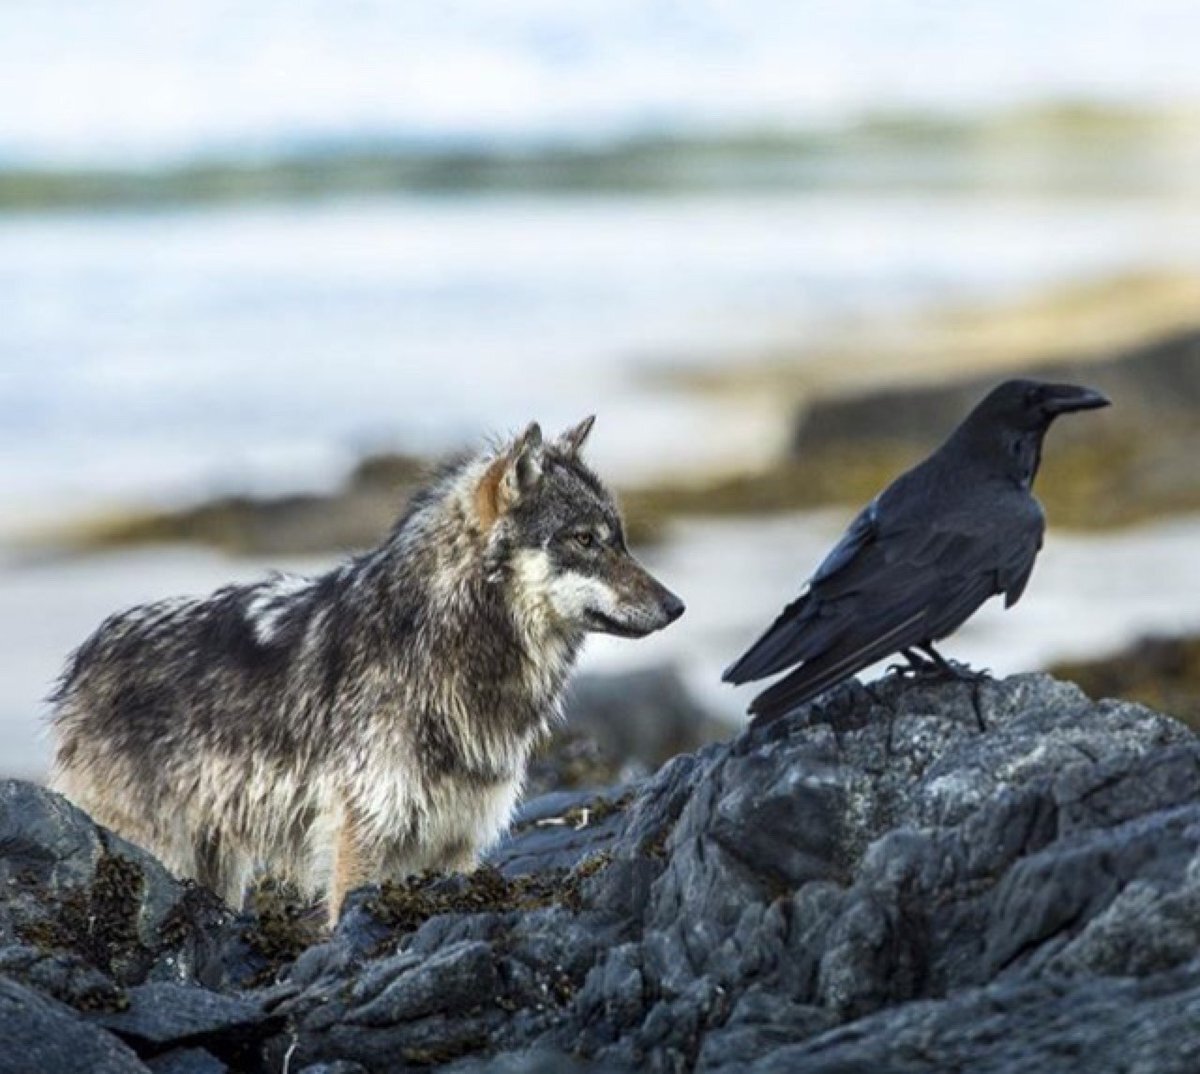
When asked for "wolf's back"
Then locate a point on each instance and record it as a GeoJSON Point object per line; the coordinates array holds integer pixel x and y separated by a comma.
{"type": "Point", "coordinates": [181, 673]}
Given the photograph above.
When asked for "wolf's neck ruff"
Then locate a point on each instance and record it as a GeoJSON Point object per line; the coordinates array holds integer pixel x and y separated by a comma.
{"type": "Point", "coordinates": [493, 654]}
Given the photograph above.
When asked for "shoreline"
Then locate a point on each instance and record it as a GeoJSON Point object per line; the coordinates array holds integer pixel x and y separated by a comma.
{"type": "Point", "coordinates": [825, 441]}
{"type": "Point", "coordinates": [983, 152]}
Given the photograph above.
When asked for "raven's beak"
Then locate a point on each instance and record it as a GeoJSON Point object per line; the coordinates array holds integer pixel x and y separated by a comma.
{"type": "Point", "coordinates": [1066, 398]}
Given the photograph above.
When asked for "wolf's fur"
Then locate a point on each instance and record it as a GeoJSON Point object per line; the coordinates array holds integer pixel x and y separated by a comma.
{"type": "Point", "coordinates": [376, 719]}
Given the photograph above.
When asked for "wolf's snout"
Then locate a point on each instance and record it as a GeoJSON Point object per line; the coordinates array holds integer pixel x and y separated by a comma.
{"type": "Point", "coordinates": [663, 608]}
{"type": "Point", "coordinates": [633, 604]}
{"type": "Point", "coordinates": [672, 606]}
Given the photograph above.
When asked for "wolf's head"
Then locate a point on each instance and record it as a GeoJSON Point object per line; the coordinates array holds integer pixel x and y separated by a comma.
{"type": "Point", "coordinates": [555, 534]}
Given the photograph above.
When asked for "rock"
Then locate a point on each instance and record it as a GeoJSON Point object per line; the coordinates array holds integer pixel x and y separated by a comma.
{"type": "Point", "coordinates": [64, 976]}
{"type": "Point", "coordinates": [162, 1013]}
{"type": "Point", "coordinates": [534, 1061]}
{"type": "Point", "coordinates": [42, 1036]}
{"type": "Point", "coordinates": [1142, 1024]}
{"type": "Point", "coordinates": [645, 717]}
{"type": "Point", "coordinates": [1154, 382]}
{"type": "Point", "coordinates": [187, 1061]}
{"type": "Point", "coordinates": [74, 888]}
{"type": "Point", "coordinates": [354, 516]}
{"type": "Point", "coordinates": [873, 884]}
{"type": "Point", "coordinates": [1132, 464]}
{"type": "Point", "coordinates": [557, 831]}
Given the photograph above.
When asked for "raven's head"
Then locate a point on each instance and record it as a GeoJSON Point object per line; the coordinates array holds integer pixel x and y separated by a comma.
{"type": "Point", "coordinates": [1031, 405]}
{"type": "Point", "coordinates": [1007, 427]}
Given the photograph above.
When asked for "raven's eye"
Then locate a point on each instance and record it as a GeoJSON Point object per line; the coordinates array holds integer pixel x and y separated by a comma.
{"type": "Point", "coordinates": [584, 538]}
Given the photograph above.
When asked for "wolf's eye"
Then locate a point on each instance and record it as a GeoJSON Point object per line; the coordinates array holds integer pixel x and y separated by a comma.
{"type": "Point", "coordinates": [584, 539]}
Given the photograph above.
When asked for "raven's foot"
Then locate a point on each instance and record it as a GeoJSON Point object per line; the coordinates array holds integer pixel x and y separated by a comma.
{"type": "Point", "coordinates": [953, 669]}
{"type": "Point", "coordinates": [916, 666]}
{"type": "Point", "coordinates": [964, 672]}
{"type": "Point", "coordinates": [975, 702]}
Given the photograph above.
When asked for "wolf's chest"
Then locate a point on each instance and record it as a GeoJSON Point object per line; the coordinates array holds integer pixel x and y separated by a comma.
{"type": "Point", "coordinates": [441, 821]}
{"type": "Point", "coordinates": [465, 820]}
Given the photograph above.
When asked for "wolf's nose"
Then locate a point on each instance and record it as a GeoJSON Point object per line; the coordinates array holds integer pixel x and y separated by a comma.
{"type": "Point", "coordinates": [674, 607]}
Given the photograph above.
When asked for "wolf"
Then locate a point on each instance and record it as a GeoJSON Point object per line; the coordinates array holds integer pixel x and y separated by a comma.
{"type": "Point", "coordinates": [371, 722]}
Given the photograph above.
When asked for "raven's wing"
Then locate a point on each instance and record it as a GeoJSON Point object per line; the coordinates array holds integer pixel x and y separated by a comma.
{"type": "Point", "coordinates": [781, 645]}
{"type": "Point", "coordinates": [907, 585]}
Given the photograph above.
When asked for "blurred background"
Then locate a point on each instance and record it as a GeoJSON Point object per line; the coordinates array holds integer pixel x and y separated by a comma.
{"type": "Point", "coordinates": [259, 262]}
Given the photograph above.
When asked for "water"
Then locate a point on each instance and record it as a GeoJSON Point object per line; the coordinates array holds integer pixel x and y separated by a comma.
{"type": "Point", "coordinates": [148, 356]}
{"type": "Point", "coordinates": [161, 352]}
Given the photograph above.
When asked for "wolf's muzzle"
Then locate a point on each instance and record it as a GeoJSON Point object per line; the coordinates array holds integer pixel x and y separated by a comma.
{"type": "Point", "coordinates": [651, 606]}
{"type": "Point", "coordinates": [661, 609]}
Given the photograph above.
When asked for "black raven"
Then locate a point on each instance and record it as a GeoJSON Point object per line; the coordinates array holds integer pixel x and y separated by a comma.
{"type": "Point", "coordinates": [944, 537]}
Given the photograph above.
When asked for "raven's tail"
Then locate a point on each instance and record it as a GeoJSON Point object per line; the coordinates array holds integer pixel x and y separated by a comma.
{"type": "Point", "coordinates": [781, 645]}
{"type": "Point", "coordinates": [827, 670]}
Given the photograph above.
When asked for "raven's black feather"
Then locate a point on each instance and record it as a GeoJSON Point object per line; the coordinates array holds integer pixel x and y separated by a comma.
{"type": "Point", "coordinates": [952, 532]}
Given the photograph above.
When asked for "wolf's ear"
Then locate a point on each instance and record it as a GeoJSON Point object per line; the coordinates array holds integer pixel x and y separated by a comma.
{"type": "Point", "coordinates": [514, 474]}
{"type": "Point", "coordinates": [525, 463]}
{"type": "Point", "coordinates": [572, 440]}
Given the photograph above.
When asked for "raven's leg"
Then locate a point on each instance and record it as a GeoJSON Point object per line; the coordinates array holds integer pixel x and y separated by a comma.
{"type": "Point", "coordinates": [951, 669]}
{"type": "Point", "coordinates": [916, 666]}
{"type": "Point", "coordinates": [915, 660]}
{"type": "Point", "coordinates": [960, 673]}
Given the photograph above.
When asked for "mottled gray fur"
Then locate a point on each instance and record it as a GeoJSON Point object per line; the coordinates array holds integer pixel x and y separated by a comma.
{"type": "Point", "coordinates": [371, 722]}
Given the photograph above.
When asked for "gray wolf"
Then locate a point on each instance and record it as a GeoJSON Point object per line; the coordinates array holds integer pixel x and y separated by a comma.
{"type": "Point", "coordinates": [374, 721]}
{"type": "Point", "coordinates": [916, 564]}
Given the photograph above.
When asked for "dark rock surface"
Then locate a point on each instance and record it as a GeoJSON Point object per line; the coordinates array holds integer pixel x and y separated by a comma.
{"type": "Point", "coordinates": [877, 887]}
{"type": "Point", "coordinates": [37, 1034]}
{"type": "Point", "coordinates": [67, 885]}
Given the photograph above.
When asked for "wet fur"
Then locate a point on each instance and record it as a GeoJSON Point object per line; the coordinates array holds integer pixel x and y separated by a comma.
{"type": "Point", "coordinates": [374, 721]}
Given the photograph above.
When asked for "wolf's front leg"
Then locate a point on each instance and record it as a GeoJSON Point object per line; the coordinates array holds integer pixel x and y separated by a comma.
{"type": "Point", "coordinates": [462, 858]}
{"type": "Point", "coordinates": [355, 862]}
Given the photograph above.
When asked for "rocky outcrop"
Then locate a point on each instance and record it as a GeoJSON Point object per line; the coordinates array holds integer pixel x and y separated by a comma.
{"type": "Point", "coordinates": [356, 515]}
{"type": "Point", "coordinates": [1155, 382]}
{"type": "Point", "coordinates": [875, 885]}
